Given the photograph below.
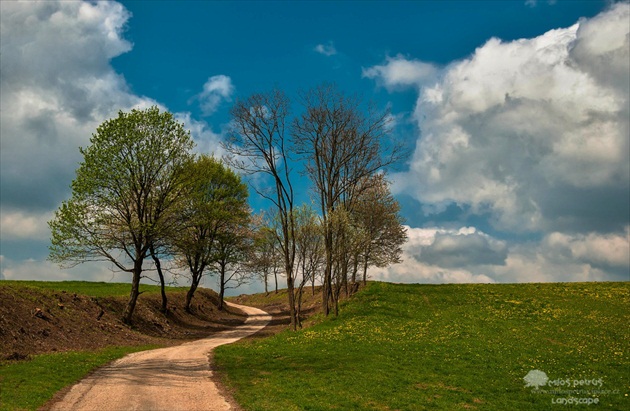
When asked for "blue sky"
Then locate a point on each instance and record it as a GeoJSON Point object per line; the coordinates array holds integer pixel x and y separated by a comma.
{"type": "Point", "coordinates": [515, 115]}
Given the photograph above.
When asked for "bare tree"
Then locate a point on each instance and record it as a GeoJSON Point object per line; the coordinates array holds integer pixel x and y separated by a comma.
{"type": "Point", "coordinates": [342, 146]}
{"type": "Point", "coordinates": [258, 145]}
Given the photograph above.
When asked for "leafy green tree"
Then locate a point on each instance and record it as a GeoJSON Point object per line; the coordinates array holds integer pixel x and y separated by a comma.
{"type": "Point", "coordinates": [310, 251]}
{"type": "Point", "coordinates": [379, 226]}
{"type": "Point", "coordinates": [265, 258]}
{"type": "Point", "coordinates": [233, 247]}
{"type": "Point", "coordinates": [216, 202]}
{"type": "Point", "coordinates": [125, 188]}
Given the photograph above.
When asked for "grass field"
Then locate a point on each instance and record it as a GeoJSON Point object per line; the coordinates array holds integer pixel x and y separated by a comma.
{"type": "Point", "coordinates": [27, 385]}
{"type": "Point", "coordinates": [92, 289]}
{"type": "Point", "coordinates": [446, 347]}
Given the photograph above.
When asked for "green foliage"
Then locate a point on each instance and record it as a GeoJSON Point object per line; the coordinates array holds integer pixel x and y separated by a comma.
{"type": "Point", "coordinates": [124, 196]}
{"type": "Point", "coordinates": [214, 211]}
{"type": "Point", "coordinates": [128, 180]}
{"type": "Point", "coordinates": [442, 347]}
{"type": "Point", "coordinates": [27, 385]}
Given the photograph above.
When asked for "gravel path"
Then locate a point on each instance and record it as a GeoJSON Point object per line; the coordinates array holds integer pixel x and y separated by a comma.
{"type": "Point", "coordinates": [169, 379]}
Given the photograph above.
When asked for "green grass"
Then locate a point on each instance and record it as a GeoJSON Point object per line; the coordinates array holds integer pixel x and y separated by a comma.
{"type": "Point", "coordinates": [92, 289]}
{"type": "Point", "coordinates": [444, 347]}
{"type": "Point", "coordinates": [27, 385]}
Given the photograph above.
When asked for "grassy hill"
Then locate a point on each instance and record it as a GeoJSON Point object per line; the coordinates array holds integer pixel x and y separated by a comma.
{"type": "Point", "coordinates": [446, 347]}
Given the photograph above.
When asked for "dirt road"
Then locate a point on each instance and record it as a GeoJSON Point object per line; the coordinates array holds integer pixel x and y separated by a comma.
{"type": "Point", "coordinates": [173, 378]}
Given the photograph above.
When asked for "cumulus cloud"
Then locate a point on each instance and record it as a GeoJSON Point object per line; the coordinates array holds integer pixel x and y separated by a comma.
{"type": "Point", "coordinates": [534, 131]}
{"type": "Point", "coordinates": [467, 255]}
{"type": "Point", "coordinates": [216, 90]}
{"type": "Point", "coordinates": [327, 49]}
{"type": "Point", "coordinates": [23, 225]}
{"type": "Point", "coordinates": [58, 85]}
{"type": "Point", "coordinates": [32, 269]}
{"type": "Point", "coordinates": [440, 255]}
{"type": "Point", "coordinates": [533, 135]}
{"type": "Point", "coordinates": [399, 72]}
{"type": "Point", "coordinates": [604, 251]}
{"type": "Point", "coordinates": [459, 250]}
{"type": "Point", "coordinates": [207, 140]}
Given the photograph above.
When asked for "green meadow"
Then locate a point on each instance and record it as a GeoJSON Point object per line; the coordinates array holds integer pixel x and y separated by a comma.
{"type": "Point", "coordinates": [446, 347]}
{"type": "Point", "coordinates": [92, 289]}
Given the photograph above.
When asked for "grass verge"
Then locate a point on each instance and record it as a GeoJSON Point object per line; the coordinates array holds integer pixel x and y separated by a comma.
{"type": "Point", "coordinates": [445, 347]}
{"type": "Point", "coordinates": [91, 289]}
{"type": "Point", "coordinates": [27, 385]}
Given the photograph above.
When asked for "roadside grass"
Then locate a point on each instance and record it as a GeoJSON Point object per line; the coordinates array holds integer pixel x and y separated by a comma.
{"type": "Point", "coordinates": [91, 289]}
{"type": "Point", "coordinates": [445, 347]}
{"type": "Point", "coordinates": [28, 385]}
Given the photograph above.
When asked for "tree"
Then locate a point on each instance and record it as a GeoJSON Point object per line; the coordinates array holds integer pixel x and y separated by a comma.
{"type": "Point", "coordinates": [265, 258]}
{"type": "Point", "coordinates": [342, 146]}
{"type": "Point", "coordinates": [258, 145]}
{"type": "Point", "coordinates": [233, 246]}
{"type": "Point", "coordinates": [129, 181]}
{"type": "Point", "coordinates": [216, 201]}
{"type": "Point", "coordinates": [309, 247]}
{"type": "Point", "coordinates": [377, 218]}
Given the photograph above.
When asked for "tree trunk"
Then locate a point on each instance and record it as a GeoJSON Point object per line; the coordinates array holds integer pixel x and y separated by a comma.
{"type": "Point", "coordinates": [158, 266]}
{"type": "Point", "coordinates": [275, 275]}
{"type": "Point", "coordinates": [355, 270]}
{"type": "Point", "coordinates": [221, 287]}
{"type": "Point", "coordinates": [365, 268]}
{"type": "Point", "coordinates": [327, 285]}
{"type": "Point", "coordinates": [299, 305]}
{"type": "Point", "coordinates": [135, 292]}
{"type": "Point", "coordinates": [344, 276]}
{"type": "Point", "coordinates": [292, 313]}
{"type": "Point", "coordinates": [266, 287]}
{"type": "Point", "coordinates": [191, 291]}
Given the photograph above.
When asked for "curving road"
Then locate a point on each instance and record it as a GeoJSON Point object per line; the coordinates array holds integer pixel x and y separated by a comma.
{"type": "Point", "coordinates": [169, 379]}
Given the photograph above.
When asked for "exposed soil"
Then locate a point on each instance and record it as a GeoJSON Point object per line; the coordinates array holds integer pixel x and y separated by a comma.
{"type": "Point", "coordinates": [36, 321]}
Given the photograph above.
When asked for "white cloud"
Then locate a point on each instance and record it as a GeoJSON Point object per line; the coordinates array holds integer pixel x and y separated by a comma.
{"type": "Point", "coordinates": [597, 250]}
{"type": "Point", "coordinates": [533, 131]}
{"type": "Point", "coordinates": [207, 140]}
{"type": "Point", "coordinates": [23, 225]}
{"type": "Point", "coordinates": [217, 89]}
{"type": "Point", "coordinates": [58, 85]}
{"type": "Point", "coordinates": [534, 134]}
{"type": "Point", "coordinates": [32, 269]}
{"type": "Point", "coordinates": [399, 72]}
{"type": "Point", "coordinates": [326, 49]}
{"type": "Point", "coordinates": [466, 259]}
{"type": "Point", "coordinates": [440, 255]}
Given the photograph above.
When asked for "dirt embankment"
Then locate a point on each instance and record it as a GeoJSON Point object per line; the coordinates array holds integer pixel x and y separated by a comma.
{"type": "Point", "coordinates": [35, 321]}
